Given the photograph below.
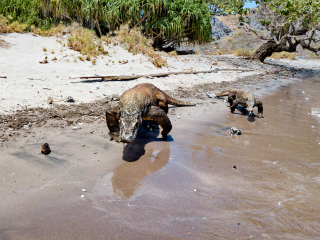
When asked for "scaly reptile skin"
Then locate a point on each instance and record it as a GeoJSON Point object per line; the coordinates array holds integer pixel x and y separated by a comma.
{"type": "Point", "coordinates": [142, 102]}
{"type": "Point", "coordinates": [245, 99]}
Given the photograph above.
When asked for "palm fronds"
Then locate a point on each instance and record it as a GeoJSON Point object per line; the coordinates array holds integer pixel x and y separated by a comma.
{"type": "Point", "coordinates": [165, 21]}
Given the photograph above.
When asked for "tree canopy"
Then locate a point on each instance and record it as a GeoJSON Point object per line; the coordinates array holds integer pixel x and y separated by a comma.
{"type": "Point", "coordinates": [290, 23]}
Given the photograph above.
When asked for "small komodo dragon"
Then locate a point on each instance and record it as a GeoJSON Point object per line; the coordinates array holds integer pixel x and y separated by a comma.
{"type": "Point", "coordinates": [142, 102]}
{"type": "Point", "coordinates": [245, 99]}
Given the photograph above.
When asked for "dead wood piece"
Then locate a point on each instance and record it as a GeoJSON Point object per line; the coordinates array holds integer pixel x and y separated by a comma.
{"type": "Point", "coordinates": [134, 76]}
{"type": "Point", "coordinates": [3, 76]}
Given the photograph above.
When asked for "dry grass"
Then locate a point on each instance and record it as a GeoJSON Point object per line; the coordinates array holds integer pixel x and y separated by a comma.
{"type": "Point", "coordinates": [284, 55]}
{"type": "Point", "coordinates": [219, 52]}
{"type": "Point", "coordinates": [6, 27]}
{"type": "Point", "coordinates": [232, 21]}
{"type": "Point", "coordinates": [58, 31]}
{"type": "Point", "coordinates": [173, 54]}
{"type": "Point", "coordinates": [243, 52]}
{"type": "Point", "coordinates": [85, 41]}
{"type": "Point", "coordinates": [133, 41]}
{"type": "Point", "coordinates": [239, 43]}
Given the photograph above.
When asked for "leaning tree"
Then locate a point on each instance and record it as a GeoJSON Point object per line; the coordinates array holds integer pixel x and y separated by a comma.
{"type": "Point", "coordinates": [289, 23]}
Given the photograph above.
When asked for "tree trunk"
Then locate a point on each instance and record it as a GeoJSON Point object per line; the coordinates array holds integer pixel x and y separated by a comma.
{"type": "Point", "coordinates": [98, 26]}
{"type": "Point", "coordinates": [266, 49]}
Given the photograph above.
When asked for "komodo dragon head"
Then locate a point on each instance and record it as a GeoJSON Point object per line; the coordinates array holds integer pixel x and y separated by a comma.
{"type": "Point", "coordinates": [250, 104]}
{"type": "Point", "coordinates": [130, 122]}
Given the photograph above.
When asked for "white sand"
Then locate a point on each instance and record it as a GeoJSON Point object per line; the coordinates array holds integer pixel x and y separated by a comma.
{"type": "Point", "coordinates": [30, 84]}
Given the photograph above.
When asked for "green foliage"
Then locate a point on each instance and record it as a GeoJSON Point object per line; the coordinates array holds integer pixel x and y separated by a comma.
{"type": "Point", "coordinates": [24, 11]}
{"type": "Point", "coordinates": [228, 6]}
{"type": "Point", "coordinates": [162, 20]}
{"type": "Point", "coordinates": [290, 11]}
{"type": "Point", "coordinates": [265, 22]}
{"type": "Point", "coordinates": [306, 11]}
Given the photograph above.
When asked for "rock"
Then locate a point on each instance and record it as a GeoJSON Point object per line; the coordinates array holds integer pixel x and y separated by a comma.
{"type": "Point", "coordinates": [211, 95]}
{"type": "Point", "coordinates": [219, 29]}
{"type": "Point", "coordinates": [45, 149]}
{"type": "Point", "coordinates": [50, 100]}
{"type": "Point", "coordinates": [234, 131]}
{"type": "Point", "coordinates": [69, 99]}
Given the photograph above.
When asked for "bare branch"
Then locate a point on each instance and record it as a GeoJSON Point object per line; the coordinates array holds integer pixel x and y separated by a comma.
{"type": "Point", "coordinates": [310, 39]}
{"type": "Point", "coordinates": [67, 16]}
{"type": "Point", "coordinates": [307, 46]}
{"type": "Point", "coordinates": [247, 28]}
{"type": "Point", "coordinates": [142, 19]}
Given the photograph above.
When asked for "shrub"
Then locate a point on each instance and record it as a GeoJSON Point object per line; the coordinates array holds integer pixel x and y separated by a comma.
{"type": "Point", "coordinates": [284, 55]}
{"type": "Point", "coordinates": [243, 52]}
{"type": "Point", "coordinates": [84, 41]}
{"type": "Point", "coordinates": [6, 27]}
{"type": "Point", "coordinates": [135, 42]}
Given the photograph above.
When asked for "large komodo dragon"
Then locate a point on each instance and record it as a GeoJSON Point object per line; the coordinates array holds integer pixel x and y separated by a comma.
{"type": "Point", "coordinates": [142, 102]}
{"type": "Point", "coordinates": [245, 99]}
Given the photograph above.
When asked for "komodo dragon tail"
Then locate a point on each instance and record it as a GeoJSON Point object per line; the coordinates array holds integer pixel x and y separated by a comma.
{"type": "Point", "coordinates": [177, 102]}
{"type": "Point", "coordinates": [223, 94]}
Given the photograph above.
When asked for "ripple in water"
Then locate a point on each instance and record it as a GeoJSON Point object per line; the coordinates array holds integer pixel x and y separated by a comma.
{"type": "Point", "coordinates": [316, 112]}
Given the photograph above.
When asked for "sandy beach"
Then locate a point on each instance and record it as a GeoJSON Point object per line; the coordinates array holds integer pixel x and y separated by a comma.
{"type": "Point", "coordinates": [199, 183]}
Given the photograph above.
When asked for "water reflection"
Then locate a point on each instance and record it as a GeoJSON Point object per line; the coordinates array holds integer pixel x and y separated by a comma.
{"type": "Point", "coordinates": [139, 162]}
{"type": "Point", "coordinates": [129, 175]}
{"type": "Point", "coordinates": [149, 132]}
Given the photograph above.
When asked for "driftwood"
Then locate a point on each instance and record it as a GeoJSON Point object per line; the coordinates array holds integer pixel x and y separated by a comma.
{"type": "Point", "coordinates": [3, 76]}
{"type": "Point", "coordinates": [134, 76]}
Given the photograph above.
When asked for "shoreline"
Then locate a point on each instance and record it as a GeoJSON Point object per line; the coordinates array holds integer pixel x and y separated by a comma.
{"type": "Point", "coordinates": [203, 179]}
{"type": "Point", "coordinates": [198, 181]}
{"type": "Point", "coordinates": [36, 95]}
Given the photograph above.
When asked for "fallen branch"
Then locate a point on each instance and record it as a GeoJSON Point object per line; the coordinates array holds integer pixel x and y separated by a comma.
{"type": "Point", "coordinates": [3, 76]}
{"type": "Point", "coordinates": [163, 74]}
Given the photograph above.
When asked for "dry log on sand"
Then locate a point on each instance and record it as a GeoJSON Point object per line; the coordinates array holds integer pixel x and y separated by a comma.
{"type": "Point", "coordinates": [134, 76]}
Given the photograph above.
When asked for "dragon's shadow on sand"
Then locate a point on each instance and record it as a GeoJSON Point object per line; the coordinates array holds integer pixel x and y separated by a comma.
{"type": "Point", "coordinates": [148, 132]}
{"type": "Point", "coordinates": [243, 111]}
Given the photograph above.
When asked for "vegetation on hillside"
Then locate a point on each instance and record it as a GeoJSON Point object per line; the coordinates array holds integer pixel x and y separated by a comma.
{"type": "Point", "coordinates": [166, 22]}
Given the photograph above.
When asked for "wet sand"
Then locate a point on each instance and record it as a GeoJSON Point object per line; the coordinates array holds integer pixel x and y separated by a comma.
{"type": "Point", "coordinates": [199, 184]}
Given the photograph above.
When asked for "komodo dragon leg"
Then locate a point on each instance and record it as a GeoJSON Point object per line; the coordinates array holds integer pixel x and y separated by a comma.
{"type": "Point", "coordinates": [233, 106]}
{"type": "Point", "coordinates": [164, 106]}
{"type": "Point", "coordinates": [113, 116]}
{"type": "Point", "coordinates": [158, 115]}
{"type": "Point", "coordinates": [231, 98]}
{"type": "Point", "coordinates": [260, 109]}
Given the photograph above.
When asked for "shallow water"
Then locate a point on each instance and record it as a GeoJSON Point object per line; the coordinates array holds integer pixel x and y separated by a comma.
{"type": "Point", "coordinates": [202, 183]}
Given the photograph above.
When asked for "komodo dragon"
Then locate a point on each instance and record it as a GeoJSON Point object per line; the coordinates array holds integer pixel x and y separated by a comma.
{"type": "Point", "coordinates": [142, 102]}
{"type": "Point", "coordinates": [245, 99]}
